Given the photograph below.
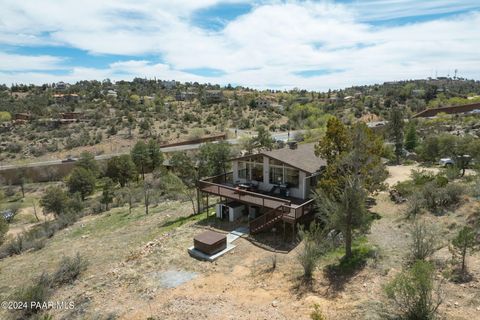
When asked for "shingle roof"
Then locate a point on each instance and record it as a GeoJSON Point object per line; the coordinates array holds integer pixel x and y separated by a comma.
{"type": "Point", "coordinates": [303, 157]}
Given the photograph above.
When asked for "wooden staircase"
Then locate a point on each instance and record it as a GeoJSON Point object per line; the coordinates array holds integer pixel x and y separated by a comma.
{"type": "Point", "coordinates": [267, 220]}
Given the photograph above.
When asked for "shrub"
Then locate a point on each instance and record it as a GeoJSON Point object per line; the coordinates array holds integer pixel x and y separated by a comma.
{"type": "Point", "coordinates": [308, 258]}
{"type": "Point", "coordinates": [3, 229]}
{"type": "Point", "coordinates": [311, 250]}
{"type": "Point", "coordinates": [69, 269]}
{"type": "Point", "coordinates": [35, 294]}
{"type": "Point", "coordinates": [413, 292]}
{"type": "Point", "coordinates": [423, 242]}
{"type": "Point", "coordinates": [415, 204]}
{"type": "Point", "coordinates": [15, 246]}
{"type": "Point", "coordinates": [452, 194]}
{"type": "Point", "coordinates": [317, 313]}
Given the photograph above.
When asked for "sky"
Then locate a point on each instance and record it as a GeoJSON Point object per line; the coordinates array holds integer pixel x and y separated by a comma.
{"type": "Point", "coordinates": [314, 45]}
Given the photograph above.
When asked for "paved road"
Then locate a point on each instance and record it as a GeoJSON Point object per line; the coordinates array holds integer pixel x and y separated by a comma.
{"type": "Point", "coordinates": [275, 135]}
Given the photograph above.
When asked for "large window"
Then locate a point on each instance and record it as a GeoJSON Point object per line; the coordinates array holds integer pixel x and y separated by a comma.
{"type": "Point", "coordinates": [292, 177]}
{"type": "Point", "coordinates": [282, 174]}
{"type": "Point", "coordinates": [251, 169]}
{"type": "Point", "coordinates": [276, 175]}
{"type": "Point", "coordinates": [242, 170]}
{"type": "Point", "coordinates": [257, 172]}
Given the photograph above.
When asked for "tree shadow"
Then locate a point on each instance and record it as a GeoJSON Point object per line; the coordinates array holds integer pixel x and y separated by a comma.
{"type": "Point", "coordinates": [303, 286]}
{"type": "Point", "coordinates": [340, 273]}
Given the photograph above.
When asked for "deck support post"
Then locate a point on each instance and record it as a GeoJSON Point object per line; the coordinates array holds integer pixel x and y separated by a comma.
{"type": "Point", "coordinates": [207, 206]}
{"type": "Point", "coordinates": [293, 231]}
{"type": "Point", "coordinates": [199, 194]}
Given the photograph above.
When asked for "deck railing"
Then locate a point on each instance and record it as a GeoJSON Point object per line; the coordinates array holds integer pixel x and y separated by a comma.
{"type": "Point", "coordinates": [219, 185]}
{"type": "Point", "coordinates": [242, 195]}
{"type": "Point", "coordinates": [262, 220]}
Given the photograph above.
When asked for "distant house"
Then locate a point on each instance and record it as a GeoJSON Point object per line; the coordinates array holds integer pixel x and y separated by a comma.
{"type": "Point", "coordinates": [112, 93]}
{"type": "Point", "coordinates": [185, 95]}
{"type": "Point", "coordinates": [61, 85]}
{"type": "Point", "coordinates": [272, 186]}
{"type": "Point", "coordinates": [463, 109]}
{"type": "Point", "coordinates": [263, 103]}
{"type": "Point", "coordinates": [146, 99]}
{"type": "Point", "coordinates": [213, 96]}
{"type": "Point", "coordinates": [22, 116]}
{"type": "Point", "coordinates": [168, 84]}
{"type": "Point", "coordinates": [71, 115]}
{"type": "Point", "coordinates": [70, 97]}
{"type": "Point", "coordinates": [418, 92]}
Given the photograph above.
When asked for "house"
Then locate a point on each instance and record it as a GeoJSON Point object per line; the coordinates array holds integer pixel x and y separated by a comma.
{"type": "Point", "coordinates": [61, 85]}
{"type": "Point", "coordinates": [22, 116]}
{"type": "Point", "coordinates": [112, 93]}
{"type": "Point", "coordinates": [70, 97]}
{"type": "Point", "coordinates": [270, 187]}
{"type": "Point", "coordinates": [185, 95]}
{"type": "Point", "coordinates": [213, 96]}
{"type": "Point", "coordinates": [263, 103]}
{"type": "Point", "coordinates": [71, 115]}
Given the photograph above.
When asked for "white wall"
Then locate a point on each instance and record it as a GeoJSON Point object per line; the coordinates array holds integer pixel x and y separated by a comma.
{"type": "Point", "coordinates": [300, 192]}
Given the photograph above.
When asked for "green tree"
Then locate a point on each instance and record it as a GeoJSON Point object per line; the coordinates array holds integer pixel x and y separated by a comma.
{"type": "Point", "coordinates": [351, 152]}
{"type": "Point", "coordinates": [411, 138]}
{"type": "Point", "coordinates": [214, 158]}
{"type": "Point", "coordinates": [108, 192]}
{"type": "Point", "coordinates": [184, 168]}
{"type": "Point", "coordinates": [156, 156]}
{"type": "Point", "coordinates": [121, 169]}
{"type": "Point", "coordinates": [55, 200]}
{"type": "Point", "coordinates": [395, 128]}
{"type": "Point", "coordinates": [464, 241]}
{"type": "Point", "coordinates": [335, 142]}
{"type": "Point", "coordinates": [345, 212]}
{"type": "Point", "coordinates": [141, 157]}
{"type": "Point", "coordinates": [263, 139]}
{"type": "Point", "coordinates": [88, 162]}
{"type": "Point", "coordinates": [413, 292]}
{"type": "Point", "coordinates": [82, 181]}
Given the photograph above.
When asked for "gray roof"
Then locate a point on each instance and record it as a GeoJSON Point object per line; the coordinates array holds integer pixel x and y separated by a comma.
{"type": "Point", "coordinates": [303, 157]}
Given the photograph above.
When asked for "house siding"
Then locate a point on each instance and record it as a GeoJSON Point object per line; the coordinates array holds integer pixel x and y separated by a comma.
{"type": "Point", "coordinates": [300, 192]}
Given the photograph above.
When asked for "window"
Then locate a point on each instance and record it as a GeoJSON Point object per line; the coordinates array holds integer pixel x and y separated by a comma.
{"type": "Point", "coordinates": [276, 175]}
{"type": "Point", "coordinates": [257, 172]}
{"type": "Point", "coordinates": [242, 170]}
{"type": "Point", "coordinates": [292, 177]}
{"type": "Point", "coordinates": [251, 169]}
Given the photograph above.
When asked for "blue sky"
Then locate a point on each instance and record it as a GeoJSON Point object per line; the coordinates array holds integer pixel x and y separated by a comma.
{"type": "Point", "coordinates": [263, 44]}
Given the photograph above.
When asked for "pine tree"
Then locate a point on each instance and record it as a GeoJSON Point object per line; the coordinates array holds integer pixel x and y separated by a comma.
{"type": "Point", "coordinates": [411, 138]}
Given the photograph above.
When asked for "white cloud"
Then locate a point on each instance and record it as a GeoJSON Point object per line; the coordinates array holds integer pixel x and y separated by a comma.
{"type": "Point", "coordinates": [266, 47]}
{"type": "Point", "coordinates": [16, 62]}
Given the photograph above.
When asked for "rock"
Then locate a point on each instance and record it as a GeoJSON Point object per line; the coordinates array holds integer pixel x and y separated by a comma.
{"type": "Point", "coordinates": [275, 303]}
{"type": "Point", "coordinates": [456, 304]}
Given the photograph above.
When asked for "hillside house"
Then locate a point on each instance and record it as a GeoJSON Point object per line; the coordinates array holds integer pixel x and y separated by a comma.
{"type": "Point", "coordinates": [269, 187]}
{"type": "Point", "coordinates": [263, 103]}
{"type": "Point", "coordinates": [213, 96]}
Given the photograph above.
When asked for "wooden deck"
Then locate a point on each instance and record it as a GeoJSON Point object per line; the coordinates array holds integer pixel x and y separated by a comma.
{"type": "Point", "coordinates": [288, 209]}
